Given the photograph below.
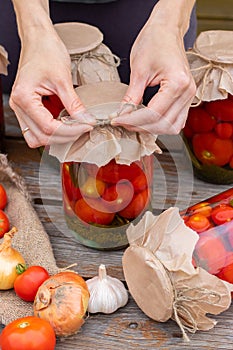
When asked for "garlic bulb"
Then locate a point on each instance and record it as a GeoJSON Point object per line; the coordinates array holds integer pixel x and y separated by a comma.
{"type": "Point", "coordinates": [107, 294]}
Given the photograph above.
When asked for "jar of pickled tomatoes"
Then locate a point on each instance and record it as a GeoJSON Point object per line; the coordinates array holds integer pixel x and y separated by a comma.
{"type": "Point", "coordinates": [100, 202]}
{"type": "Point", "coordinates": [212, 219]}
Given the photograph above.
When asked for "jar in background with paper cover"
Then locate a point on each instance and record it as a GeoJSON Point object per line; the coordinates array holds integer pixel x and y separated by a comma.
{"type": "Point", "coordinates": [208, 133]}
{"type": "Point", "coordinates": [107, 174]}
{"type": "Point", "coordinates": [212, 219]}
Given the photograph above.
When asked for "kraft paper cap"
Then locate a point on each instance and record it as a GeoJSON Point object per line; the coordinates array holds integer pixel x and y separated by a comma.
{"type": "Point", "coordinates": [105, 142]}
{"type": "Point", "coordinates": [79, 37]}
{"type": "Point", "coordinates": [162, 279]}
{"type": "Point", "coordinates": [211, 64]}
{"type": "Point", "coordinates": [3, 60]}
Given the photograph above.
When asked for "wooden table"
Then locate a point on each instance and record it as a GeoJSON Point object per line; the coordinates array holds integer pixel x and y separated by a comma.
{"type": "Point", "coordinates": [128, 328]}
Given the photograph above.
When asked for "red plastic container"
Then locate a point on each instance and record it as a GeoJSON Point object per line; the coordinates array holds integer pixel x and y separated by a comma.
{"type": "Point", "coordinates": [212, 219]}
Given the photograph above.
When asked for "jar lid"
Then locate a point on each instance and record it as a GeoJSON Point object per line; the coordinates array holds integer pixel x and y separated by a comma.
{"type": "Point", "coordinates": [79, 37]}
{"type": "Point", "coordinates": [148, 283]}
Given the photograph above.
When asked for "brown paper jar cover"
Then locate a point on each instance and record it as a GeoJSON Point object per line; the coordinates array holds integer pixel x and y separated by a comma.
{"type": "Point", "coordinates": [208, 133]}
{"type": "Point", "coordinates": [162, 279]}
{"type": "Point", "coordinates": [91, 59]}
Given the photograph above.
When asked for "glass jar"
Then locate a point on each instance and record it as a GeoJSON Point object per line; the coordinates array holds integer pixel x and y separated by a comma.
{"type": "Point", "coordinates": [100, 202]}
{"type": "Point", "coordinates": [208, 135]}
{"type": "Point", "coordinates": [212, 219]}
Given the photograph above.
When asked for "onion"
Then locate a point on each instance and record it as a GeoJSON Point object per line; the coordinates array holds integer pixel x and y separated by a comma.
{"type": "Point", "coordinates": [63, 300]}
{"type": "Point", "coordinates": [9, 259]}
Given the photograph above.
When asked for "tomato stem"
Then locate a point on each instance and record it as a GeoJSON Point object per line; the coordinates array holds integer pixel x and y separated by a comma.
{"type": "Point", "coordinates": [20, 268]}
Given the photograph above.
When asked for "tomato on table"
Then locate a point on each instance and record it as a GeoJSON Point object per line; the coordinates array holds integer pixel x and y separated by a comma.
{"type": "Point", "coordinates": [29, 280]}
{"type": "Point", "coordinates": [28, 333]}
{"type": "Point", "coordinates": [3, 197]}
{"type": "Point", "coordinates": [4, 223]}
{"type": "Point", "coordinates": [92, 211]}
{"type": "Point", "coordinates": [221, 109]}
{"type": "Point", "coordinates": [210, 149]}
{"type": "Point", "coordinates": [221, 214]}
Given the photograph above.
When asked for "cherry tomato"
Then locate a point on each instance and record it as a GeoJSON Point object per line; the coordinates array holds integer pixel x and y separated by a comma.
{"type": "Point", "coordinates": [92, 211]}
{"type": "Point", "coordinates": [71, 191]}
{"type": "Point", "coordinates": [92, 187]}
{"type": "Point", "coordinates": [198, 222]}
{"type": "Point", "coordinates": [224, 130]}
{"type": "Point", "coordinates": [226, 273]}
{"type": "Point", "coordinates": [136, 206]}
{"type": "Point", "coordinates": [114, 172]}
{"type": "Point", "coordinates": [221, 214]}
{"type": "Point", "coordinates": [4, 223]}
{"type": "Point", "coordinates": [53, 104]}
{"type": "Point", "coordinates": [118, 196]}
{"type": "Point", "coordinates": [140, 182]}
{"type": "Point", "coordinates": [28, 282]}
{"type": "Point", "coordinates": [3, 197]}
{"type": "Point", "coordinates": [201, 208]}
{"type": "Point", "coordinates": [211, 252]}
{"type": "Point", "coordinates": [199, 120]}
{"type": "Point", "coordinates": [28, 333]}
{"type": "Point", "coordinates": [210, 149]}
{"type": "Point", "coordinates": [221, 109]}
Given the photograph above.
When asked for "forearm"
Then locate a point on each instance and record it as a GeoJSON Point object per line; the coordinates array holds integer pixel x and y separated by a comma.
{"type": "Point", "coordinates": [32, 16]}
{"type": "Point", "coordinates": [173, 14]}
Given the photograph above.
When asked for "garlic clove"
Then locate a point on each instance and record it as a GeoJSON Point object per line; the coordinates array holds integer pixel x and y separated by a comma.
{"type": "Point", "coordinates": [107, 294]}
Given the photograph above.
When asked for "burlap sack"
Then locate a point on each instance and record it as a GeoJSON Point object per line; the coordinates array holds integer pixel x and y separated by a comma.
{"type": "Point", "coordinates": [91, 60]}
{"type": "Point", "coordinates": [31, 240]}
{"type": "Point", "coordinates": [211, 64]}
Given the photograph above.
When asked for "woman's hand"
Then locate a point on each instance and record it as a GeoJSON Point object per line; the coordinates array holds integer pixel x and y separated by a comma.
{"type": "Point", "coordinates": [158, 58]}
{"type": "Point", "coordinates": [44, 69]}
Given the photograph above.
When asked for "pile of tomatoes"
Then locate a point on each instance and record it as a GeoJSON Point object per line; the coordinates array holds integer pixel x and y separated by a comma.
{"type": "Point", "coordinates": [213, 221]}
{"type": "Point", "coordinates": [209, 130]}
{"type": "Point", "coordinates": [100, 195]}
{"type": "Point", "coordinates": [4, 220]}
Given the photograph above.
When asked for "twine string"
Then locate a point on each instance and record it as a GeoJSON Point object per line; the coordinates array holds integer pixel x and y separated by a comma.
{"type": "Point", "coordinates": [208, 68]}
{"type": "Point", "coordinates": [105, 58]}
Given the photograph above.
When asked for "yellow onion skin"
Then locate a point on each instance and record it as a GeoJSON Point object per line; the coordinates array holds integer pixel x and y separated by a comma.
{"type": "Point", "coordinates": [63, 300]}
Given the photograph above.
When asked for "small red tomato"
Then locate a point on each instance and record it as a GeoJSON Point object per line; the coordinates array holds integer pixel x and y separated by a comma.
{"type": "Point", "coordinates": [221, 109]}
{"type": "Point", "coordinates": [92, 188]}
{"type": "Point", "coordinates": [224, 130]}
{"type": "Point", "coordinates": [92, 211]}
{"type": "Point", "coordinates": [221, 214]}
{"type": "Point", "coordinates": [71, 191]}
{"type": "Point", "coordinates": [53, 104]}
{"type": "Point", "coordinates": [201, 208]}
{"type": "Point", "coordinates": [114, 172]}
{"type": "Point", "coordinates": [199, 120]}
{"type": "Point", "coordinates": [198, 222]}
{"type": "Point", "coordinates": [140, 182]}
{"type": "Point", "coordinates": [4, 223]}
{"type": "Point", "coordinates": [28, 333]}
{"type": "Point", "coordinates": [136, 206]}
{"type": "Point", "coordinates": [226, 273]}
{"type": "Point", "coordinates": [3, 197]}
{"type": "Point", "coordinates": [29, 280]}
{"type": "Point", "coordinates": [118, 196]}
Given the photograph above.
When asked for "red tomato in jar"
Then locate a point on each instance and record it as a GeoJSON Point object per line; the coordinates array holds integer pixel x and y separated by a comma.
{"type": "Point", "coordinates": [118, 196]}
{"type": "Point", "coordinates": [224, 130]}
{"type": "Point", "coordinates": [92, 211]}
{"type": "Point", "coordinates": [226, 273]}
{"type": "Point", "coordinates": [220, 109]}
{"type": "Point", "coordinates": [199, 120]}
{"type": "Point", "coordinates": [114, 172]}
{"type": "Point", "coordinates": [92, 187]}
{"type": "Point", "coordinates": [3, 197]}
{"type": "Point", "coordinates": [210, 149]}
{"type": "Point", "coordinates": [4, 223]}
{"type": "Point", "coordinates": [71, 191]}
{"type": "Point", "coordinates": [198, 222]}
{"type": "Point", "coordinates": [28, 333]}
{"type": "Point", "coordinates": [53, 104]}
{"type": "Point", "coordinates": [140, 182]}
{"type": "Point", "coordinates": [29, 280]}
{"type": "Point", "coordinates": [136, 206]}
{"type": "Point", "coordinates": [221, 214]}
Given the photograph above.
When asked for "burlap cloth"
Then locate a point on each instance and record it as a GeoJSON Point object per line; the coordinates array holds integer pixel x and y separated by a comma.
{"type": "Point", "coordinates": [31, 240]}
